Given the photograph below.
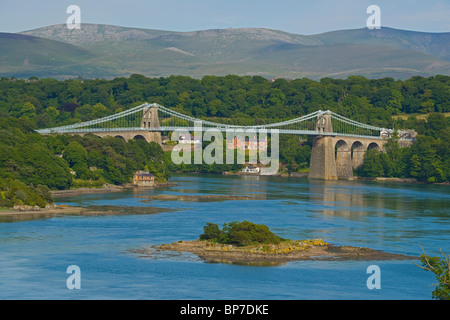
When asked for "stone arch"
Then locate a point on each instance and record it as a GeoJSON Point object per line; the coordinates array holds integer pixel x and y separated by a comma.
{"type": "Point", "coordinates": [343, 159]}
{"type": "Point", "coordinates": [373, 145]}
{"type": "Point", "coordinates": [342, 145]}
{"type": "Point", "coordinates": [139, 137]}
{"type": "Point", "coordinates": [358, 151]}
{"type": "Point", "coordinates": [119, 137]}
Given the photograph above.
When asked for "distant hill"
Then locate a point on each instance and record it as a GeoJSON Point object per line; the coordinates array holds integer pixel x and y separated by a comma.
{"type": "Point", "coordinates": [105, 51]}
{"type": "Point", "coordinates": [25, 56]}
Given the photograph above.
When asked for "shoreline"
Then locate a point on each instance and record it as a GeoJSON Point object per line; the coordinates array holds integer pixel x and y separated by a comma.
{"type": "Point", "coordinates": [304, 175]}
{"type": "Point", "coordinates": [79, 191]}
{"type": "Point", "coordinates": [16, 215]}
{"type": "Point", "coordinates": [106, 188]}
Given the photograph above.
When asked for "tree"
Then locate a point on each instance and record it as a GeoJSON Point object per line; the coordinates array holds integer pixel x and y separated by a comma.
{"type": "Point", "coordinates": [211, 232]}
{"type": "Point", "coordinates": [372, 166]}
{"type": "Point", "coordinates": [436, 122]}
{"type": "Point", "coordinates": [424, 148]}
{"type": "Point", "coordinates": [75, 154]}
{"type": "Point", "coordinates": [99, 111]}
{"type": "Point", "coordinates": [26, 109]}
{"type": "Point", "coordinates": [240, 233]}
{"type": "Point", "coordinates": [415, 166]}
{"type": "Point", "coordinates": [69, 107]}
{"type": "Point", "coordinates": [394, 105]}
{"type": "Point", "coordinates": [440, 267]}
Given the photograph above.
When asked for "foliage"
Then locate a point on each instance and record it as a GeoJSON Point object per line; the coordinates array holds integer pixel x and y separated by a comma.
{"type": "Point", "coordinates": [236, 99]}
{"type": "Point", "coordinates": [13, 192]}
{"type": "Point", "coordinates": [427, 159]}
{"type": "Point", "coordinates": [294, 152]}
{"type": "Point", "coordinates": [240, 233]}
{"type": "Point", "coordinates": [245, 100]}
{"type": "Point", "coordinates": [440, 268]}
{"type": "Point", "coordinates": [98, 160]}
{"type": "Point", "coordinates": [372, 164]}
{"type": "Point", "coordinates": [35, 160]}
{"type": "Point", "coordinates": [26, 157]}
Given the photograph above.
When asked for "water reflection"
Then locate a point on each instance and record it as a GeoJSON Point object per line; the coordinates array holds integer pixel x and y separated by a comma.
{"type": "Point", "coordinates": [352, 199]}
{"type": "Point", "coordinates": [335, 200]}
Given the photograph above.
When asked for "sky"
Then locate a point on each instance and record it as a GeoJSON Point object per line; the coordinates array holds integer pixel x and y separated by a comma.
{"type": "Point", "coordinates": [295, 16]}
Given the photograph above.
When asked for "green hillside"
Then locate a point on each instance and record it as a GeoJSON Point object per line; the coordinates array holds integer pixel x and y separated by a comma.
{"type": "Point", "coordinates": [25, 56]}
{"type": "Point", "coordinates": [110, 51]}
{"type": "Point", "coordinates": [434, 44]}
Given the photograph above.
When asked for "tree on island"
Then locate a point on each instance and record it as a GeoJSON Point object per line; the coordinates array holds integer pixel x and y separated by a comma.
{"type": "Point", "coordinates": [240, 233]}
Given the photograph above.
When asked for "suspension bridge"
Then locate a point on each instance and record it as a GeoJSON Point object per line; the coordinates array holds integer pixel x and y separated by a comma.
{"type": "Point", "coordinates": [339, 143]}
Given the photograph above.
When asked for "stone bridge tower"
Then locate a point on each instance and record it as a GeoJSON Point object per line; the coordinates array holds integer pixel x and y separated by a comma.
{"type": "Point", "coordinates": [150, 118]}
{"type": "Point", "coordinates": [150, 122]}
{"type": "Point", "coordinates": [323, 163]}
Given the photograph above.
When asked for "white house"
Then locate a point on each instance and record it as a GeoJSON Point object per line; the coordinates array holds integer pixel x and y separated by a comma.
{"type": "Point", "coordinates": [187, 138]}
{"type": "Point", "coordinates": [251, 169]}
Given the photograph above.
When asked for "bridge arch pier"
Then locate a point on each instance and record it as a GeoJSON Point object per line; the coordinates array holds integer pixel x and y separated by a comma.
{"type": "Point", "coordinates": [335, 157]}
{"type": "Point", "coordinates": [358, 152]}
{"type": "Point", "coordinates": [343, 159]}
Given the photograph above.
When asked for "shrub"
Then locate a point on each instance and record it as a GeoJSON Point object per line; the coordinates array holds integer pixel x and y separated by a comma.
{"type": "Point", "coordinates": [240, 233]}
{"type": "Point", "coordinates": [211, 232]}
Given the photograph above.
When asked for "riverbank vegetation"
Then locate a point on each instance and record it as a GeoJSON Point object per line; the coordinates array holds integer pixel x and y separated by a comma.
{"type": "Point", "coordinates": [428, 159]}
{"type": "Point", "coordinates": [31, 164]}
{"type": "Point", "coordinates": [64, 162]}
{"type": "Point", "coordinates": [16, 193]}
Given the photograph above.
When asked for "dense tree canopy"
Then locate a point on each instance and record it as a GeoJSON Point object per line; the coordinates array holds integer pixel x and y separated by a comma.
{"type": "Point", "coordinates": [52, 102]}
{"type": "Point", "coordinates": [428, 159]}
{"type": "Point", "coordinates": [240, 233]}
{"type": "Point", "coordinates": [31, 164]}
{"type": "Point", "coordinates": [64, 161]}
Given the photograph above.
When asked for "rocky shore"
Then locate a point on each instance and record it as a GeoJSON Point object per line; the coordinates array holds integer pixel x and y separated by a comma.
{"type": "Point", "coordinates": [275, 254]}
{"type": "Point", "coordinates": [104, 189]}
{"type": "Point", "coordinates": [23, 214]}
{"type": "Point", "coordinates": [78, 191]}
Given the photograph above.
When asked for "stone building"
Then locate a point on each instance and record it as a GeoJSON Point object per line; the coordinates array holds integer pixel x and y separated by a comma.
{"type": "Point", "coordinates": [143, 179]}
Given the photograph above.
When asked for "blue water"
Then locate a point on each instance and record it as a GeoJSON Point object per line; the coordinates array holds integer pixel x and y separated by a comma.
{"type": "Point", "coordinates": [399, 218]}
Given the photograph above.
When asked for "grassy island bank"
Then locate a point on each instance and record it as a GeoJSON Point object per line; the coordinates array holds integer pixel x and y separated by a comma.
{"type": "Point", "coordinates": [252, 244]}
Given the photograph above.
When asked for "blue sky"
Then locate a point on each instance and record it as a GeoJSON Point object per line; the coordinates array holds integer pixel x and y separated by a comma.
{"type": "Point", "coordinates": [296, 16]}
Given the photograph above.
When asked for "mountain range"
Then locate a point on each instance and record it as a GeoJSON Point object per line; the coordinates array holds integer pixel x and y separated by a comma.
{"type": "Point", "coordinates": [105, 51]}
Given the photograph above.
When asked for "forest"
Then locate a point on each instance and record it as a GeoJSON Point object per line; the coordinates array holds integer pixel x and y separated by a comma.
{"type": "Point", "coordinates": [38, 163]}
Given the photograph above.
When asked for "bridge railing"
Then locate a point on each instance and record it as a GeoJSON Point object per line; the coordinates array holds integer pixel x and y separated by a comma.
{"type": "Point", "coordinates": [171, 120]}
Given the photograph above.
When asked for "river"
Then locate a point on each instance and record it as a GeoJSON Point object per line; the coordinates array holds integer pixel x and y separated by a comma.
{"type": "Point", "coordinates": [394, 217]}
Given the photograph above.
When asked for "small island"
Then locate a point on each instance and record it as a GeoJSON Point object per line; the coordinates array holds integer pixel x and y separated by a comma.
{"type": "Point", "coordinates": [254, 244]}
